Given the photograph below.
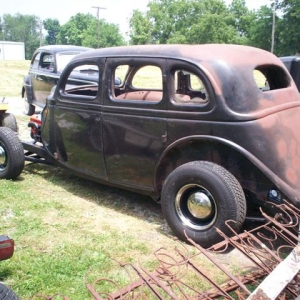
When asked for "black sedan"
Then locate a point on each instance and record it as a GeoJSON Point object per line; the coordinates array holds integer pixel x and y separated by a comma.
{"type": "Point", "coordinates": [45, 69]}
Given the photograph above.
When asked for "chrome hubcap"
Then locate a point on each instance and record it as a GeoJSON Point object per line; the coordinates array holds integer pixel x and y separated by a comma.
{"type": "Point", "coordinates": [195, 207]}
{"type": "Point", "coordinates": [2, 157]}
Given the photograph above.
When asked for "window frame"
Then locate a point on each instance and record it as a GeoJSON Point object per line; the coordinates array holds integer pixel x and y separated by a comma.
{"type": "Point", "coordinates": [173, 66]}
{"type": "Point", "coordinates": [137, 63]}
{"type": "Point", "coordinates": [75, 98]}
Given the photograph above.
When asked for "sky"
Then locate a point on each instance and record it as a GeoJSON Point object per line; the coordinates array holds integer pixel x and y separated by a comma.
{"type": "Point", "coordinates": [116, 11]}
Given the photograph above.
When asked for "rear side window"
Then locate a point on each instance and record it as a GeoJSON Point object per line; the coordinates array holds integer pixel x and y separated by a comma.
{"type": "Point", "coordinates": [138, 83]}
{"type": "Point", "coordinates": [270, 78]}
{"type": "Point", "coordinates": [188, 88]}
{"type": "Point", "coordinates": [148, 77]}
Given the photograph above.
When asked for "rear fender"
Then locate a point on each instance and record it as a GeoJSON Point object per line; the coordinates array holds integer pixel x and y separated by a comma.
{"type": "Point", "coordinates": [249, 171]}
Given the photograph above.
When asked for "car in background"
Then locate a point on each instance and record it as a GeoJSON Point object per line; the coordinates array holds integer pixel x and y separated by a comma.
{"type": "Point", "coordinates": [45, 69]}
{"type": "Point", "coordinates": [292, 63]}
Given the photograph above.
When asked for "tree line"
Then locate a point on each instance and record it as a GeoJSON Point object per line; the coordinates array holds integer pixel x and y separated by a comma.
{"type": "Point", "coordinates": [169, 22]}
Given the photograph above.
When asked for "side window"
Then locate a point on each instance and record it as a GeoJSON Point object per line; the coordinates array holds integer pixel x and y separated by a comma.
{"type": "Point", "coordinates": [148, 77]}
{"type": "Point", "coordinates": [35, 61]}
{"type": "Point", "coordinates": [188, 88]}
{"type": "Point", "coordinates": [82, 81]}
{"type": "Point", "coordinates": [120, 73]}
{"type": "Point", "coordinates": [138, 82]}
{"type": "Point", "coordinates": [47, 62]}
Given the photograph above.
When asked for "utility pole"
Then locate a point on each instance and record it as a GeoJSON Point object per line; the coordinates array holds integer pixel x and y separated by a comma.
{"type": "Point", "coordinates": [273, 26]}
{"type": "Point", "coordinates": [98, 29]}
{"type": "Point", "coordinates": [41, 32]}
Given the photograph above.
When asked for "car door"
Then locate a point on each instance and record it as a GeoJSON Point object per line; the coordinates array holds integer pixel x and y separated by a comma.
{"type": "Point", "coordinates": [76, 125]}
{"type": "Point", "coordinates": [134, 120]}
{"type": "Point", "coordinates": [43, 77]}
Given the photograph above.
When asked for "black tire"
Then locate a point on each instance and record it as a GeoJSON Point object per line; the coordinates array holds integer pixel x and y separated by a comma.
{"type": "Point", "coordinates": [11, 154]}
{"type": "Point", "coordinates": [6, 293]}
{"type": "Point", "coordinates": [9, 121]}
{"type": "Point", "coordinates": [29, 109]}
{"type": "Point", "coordinates": [200, 196]}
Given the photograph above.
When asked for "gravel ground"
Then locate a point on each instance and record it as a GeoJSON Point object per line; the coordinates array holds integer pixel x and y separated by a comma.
{"type": "Point", "coordinates": [15, 105]}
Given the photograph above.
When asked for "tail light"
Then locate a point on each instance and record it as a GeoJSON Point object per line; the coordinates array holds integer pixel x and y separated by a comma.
{"type": "Point", "coordinates": [7, 246]}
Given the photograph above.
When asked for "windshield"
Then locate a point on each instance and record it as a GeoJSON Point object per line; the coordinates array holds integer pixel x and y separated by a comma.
{"type": "Point", "coordinates": [63, 58]}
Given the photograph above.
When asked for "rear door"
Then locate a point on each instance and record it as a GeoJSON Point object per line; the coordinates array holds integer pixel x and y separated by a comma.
{"type": "Point", "coordinates": [134, 119]}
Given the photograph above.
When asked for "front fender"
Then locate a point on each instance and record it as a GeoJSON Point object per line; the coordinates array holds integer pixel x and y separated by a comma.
{"type": "Point", "coordinates": [27, 86]}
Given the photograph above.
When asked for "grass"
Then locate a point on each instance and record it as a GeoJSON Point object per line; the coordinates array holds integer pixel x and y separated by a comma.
{"type": "Point", "coordinates": [66, 227]}
{"type": "Point", "coordinates": [11, 78]}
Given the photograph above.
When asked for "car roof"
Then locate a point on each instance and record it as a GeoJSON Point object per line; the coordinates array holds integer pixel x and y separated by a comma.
{"type": "Point", "coordinates": [62, 48]}
{"type": "Point", "coordinates": [208, 52]}
{"type": "Point", "coordinates": [229, 68]}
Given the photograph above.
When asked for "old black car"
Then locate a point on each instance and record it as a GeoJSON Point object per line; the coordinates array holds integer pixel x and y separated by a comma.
{"type": "Point", "coordinates": [45, 69]}
{"type": "Point", "coordinates": [194, 127]}
{"type": "Point", "coordinates": [292, 63]}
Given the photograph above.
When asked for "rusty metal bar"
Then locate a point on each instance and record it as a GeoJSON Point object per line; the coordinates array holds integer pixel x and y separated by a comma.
{"type": "Point", "coordinates": [223, 292]}
{"type": "Point", "coordinates": [206, 254]}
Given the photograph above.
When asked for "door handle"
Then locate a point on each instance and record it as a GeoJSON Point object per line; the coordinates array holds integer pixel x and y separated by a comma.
{"type": "Point", "coordinates": [164, 137]}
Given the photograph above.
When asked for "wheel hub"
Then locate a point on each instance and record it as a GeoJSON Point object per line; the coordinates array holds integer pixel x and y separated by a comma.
{"type": "Point", "coordinates": [2, 157]}
{"type": "Point", "coordinates": [199, 205]}
{"type": "Point", "coordinates": [195, 207]}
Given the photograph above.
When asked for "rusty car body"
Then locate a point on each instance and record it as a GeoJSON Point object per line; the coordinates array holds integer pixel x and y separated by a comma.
{"type": "Point", "coordinates": [189, 125]}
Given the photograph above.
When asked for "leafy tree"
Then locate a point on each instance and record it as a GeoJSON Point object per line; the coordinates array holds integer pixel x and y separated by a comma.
{"type": "Point", "coordinates": [22, 28]}
{"type": "Point", "coordinates": [53, 28]}
{"type": "Point", "coordinates": [214, 24]}
{"type": "Point", "coordinates": [260, 33]}
{"type": "Point", "coordinates": [183, 21]}
{"type": "Point", "coordinates": [71, 32]}
{"type": "Point", "coordinates": [242, 19]}
{"type": "Point", "coordinates": [140, 29]}
{"type": "Point", "coordinates": [288, 28]}
{"type": "Point", "coordinates": [81, 30]}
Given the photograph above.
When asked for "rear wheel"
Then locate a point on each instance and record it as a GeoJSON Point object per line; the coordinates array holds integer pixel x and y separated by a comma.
{"type": "Point", "coordinates": [9, 120]}
{"type": "Point", "coordinates": [29, 109]}
{"type": "Point", "coordinates": [11, 154]}
{"type": "Point", "coordinates": [200, 196]}
{"type": "Point", "coordinates": [6, 293]}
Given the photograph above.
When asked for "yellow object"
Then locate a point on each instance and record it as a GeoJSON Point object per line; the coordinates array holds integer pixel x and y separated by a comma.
{"type": "Point", "coordinates": [3, 106]}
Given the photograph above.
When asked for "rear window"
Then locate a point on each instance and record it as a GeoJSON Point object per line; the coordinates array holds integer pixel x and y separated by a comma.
{"type": "Point", "coordinates": [270, 78]}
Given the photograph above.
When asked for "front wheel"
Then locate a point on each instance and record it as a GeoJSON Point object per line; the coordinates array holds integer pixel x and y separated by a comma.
{"type": "Point", "coordinates": [6, 293]}
{"type": "Point", "coordinates": [200, 196]}
{"type": "Point", "coordinates": [29, 109]}
{"type": "Point", "coordinates": [11, 154]}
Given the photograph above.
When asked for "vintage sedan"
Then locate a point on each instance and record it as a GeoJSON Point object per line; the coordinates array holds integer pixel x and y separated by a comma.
{"type": "Point", "coordinates": [193, 126]}
{"type": "Point", "coordinates": [45, 69]}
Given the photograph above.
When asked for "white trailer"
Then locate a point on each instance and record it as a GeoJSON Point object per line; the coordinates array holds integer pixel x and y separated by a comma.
{"type": "Point", "coordinates": [12, 50]}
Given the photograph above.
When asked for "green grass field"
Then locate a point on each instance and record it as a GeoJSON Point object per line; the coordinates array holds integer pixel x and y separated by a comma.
{"type": "Point", "coordinates": [11, 77]}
